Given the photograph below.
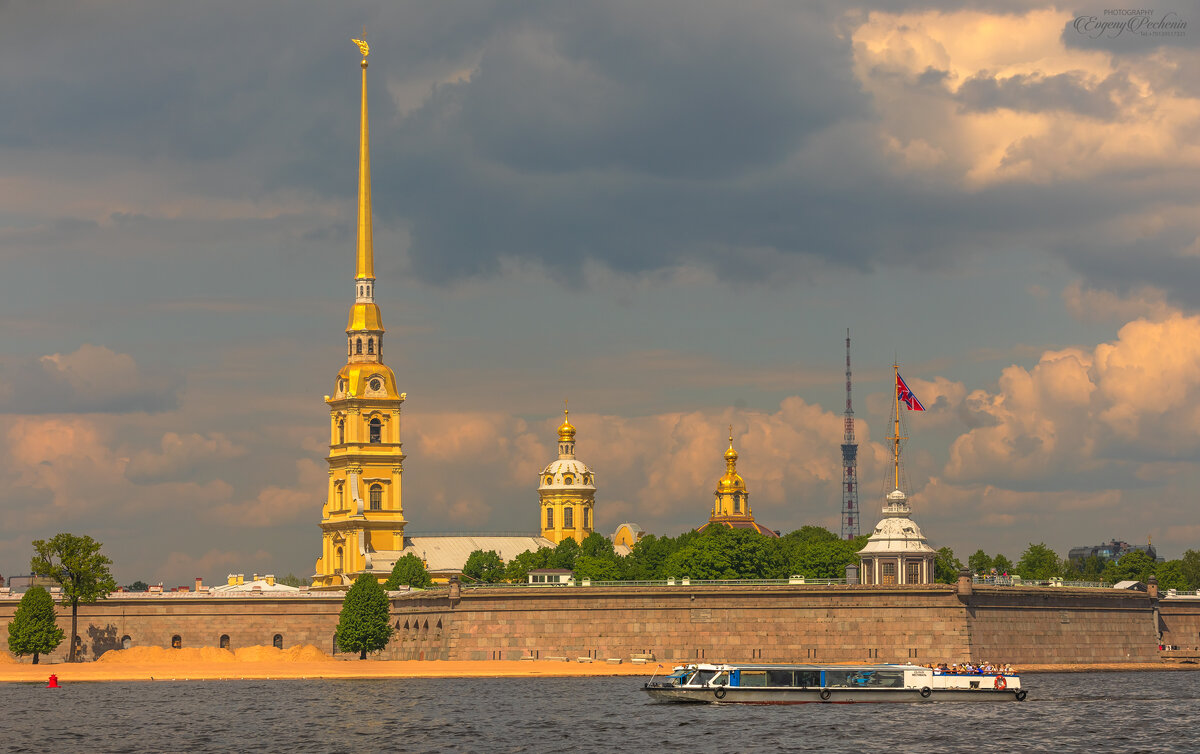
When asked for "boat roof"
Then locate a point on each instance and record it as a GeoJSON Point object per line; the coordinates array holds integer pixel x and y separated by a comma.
{"type": "Point", "coordinates": [791, 666]}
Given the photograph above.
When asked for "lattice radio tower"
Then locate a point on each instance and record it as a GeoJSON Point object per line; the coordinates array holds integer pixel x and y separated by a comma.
{"type": "Point", "coordinates": [849, 462]}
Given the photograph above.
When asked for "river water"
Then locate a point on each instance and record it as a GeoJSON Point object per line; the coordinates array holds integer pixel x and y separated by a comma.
{"type": "Point", "coordinates": [1075, 712]}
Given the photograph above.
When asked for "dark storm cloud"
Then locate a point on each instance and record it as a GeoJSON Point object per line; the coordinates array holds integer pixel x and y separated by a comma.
{"type": "Point", "coordinates": [1064, 91]}
{"type": "Point", "coordinates": [635, 136]}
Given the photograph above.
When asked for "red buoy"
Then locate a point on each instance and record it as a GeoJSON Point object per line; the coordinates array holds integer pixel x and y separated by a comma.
{"type": "Point", "coordinates": [53, 682]}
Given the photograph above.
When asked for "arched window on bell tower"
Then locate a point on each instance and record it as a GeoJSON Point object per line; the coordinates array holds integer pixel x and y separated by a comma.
{"type": "Point", "coordinates": [376, 431]}
{"type": "Point", "coordinates": [341, 426]}
{"type": "Point", "coordinates": [358, 346]}
{"type": "Point", "coordinates": [376, 497]}
{"type": "Point", "coordinates": [370, 345]}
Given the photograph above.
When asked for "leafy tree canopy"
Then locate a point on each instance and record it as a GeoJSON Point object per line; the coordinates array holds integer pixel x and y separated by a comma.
{"type": "Point", "coordinates": [597, 568]}
{"type": "Point", "coordinates": [1002, 564]}
{"type": "Point", "coordinates": [980, 562]}
{"type": "Point", "coordinates": [565, 554]}
{"type": "Point", "coordinates": [484, 566]}
{"type": "Point", "coordinates": [293, 580]}
{"type": "Point", "coordinates": [1189, 567]}
{"type": "Point", "coordinates": [34, 629]}
{"type": "Point", "coordinates": [138, 586]}
{"type": "Point", "coordinates": [76, 564]}
{"type": "Point", "coordinates": [1132, 566]}
{"type": "Point", "coordinates": [408, 571]}
{"type": "Point", "coordinates": [946, 566]}
{"type": "Point", "coordinates": [364, 625]}
{"type": "Point", "coordinates": [596, 545]}
{"type": "Point", "coordinates": [517, 571]}
{"type": "Point", "coordinates": [1039, 562]}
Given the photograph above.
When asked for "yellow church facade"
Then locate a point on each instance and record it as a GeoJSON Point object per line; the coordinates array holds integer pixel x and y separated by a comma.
{"type": "Point", "coordinates": [731, 502]}
{"type": "Point", "coordinates": [363, 514]}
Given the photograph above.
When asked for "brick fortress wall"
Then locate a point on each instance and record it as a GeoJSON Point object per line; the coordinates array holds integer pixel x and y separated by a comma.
{"type": "Point", "coordinates": [744, 623]}
{"type": "Point", "coordinates": [199, 621]}
{"type": "Point", "coordinates": [785, 623]}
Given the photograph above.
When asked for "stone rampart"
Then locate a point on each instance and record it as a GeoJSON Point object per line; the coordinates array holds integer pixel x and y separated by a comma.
{"type": "Point", "coordinates": [736, 623]}
{"type": "Point", "coordinates": [198, 621]}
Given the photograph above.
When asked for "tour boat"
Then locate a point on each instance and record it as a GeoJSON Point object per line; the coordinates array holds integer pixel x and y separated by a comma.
{"type": "Point", "coordinates": [801, 684]}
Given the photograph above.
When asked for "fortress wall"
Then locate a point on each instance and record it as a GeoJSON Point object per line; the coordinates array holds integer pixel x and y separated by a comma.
{"type": "Point", "coordinates": [744, 623]}
{"type": "Point", "coordinates": [1179, 621]}
{"type": "Point", "coordinates": [199, 621]}
{"type": "Point", "coordinates": [1055, 625]}
{"type": "Point", "coordinates": [732, 623]}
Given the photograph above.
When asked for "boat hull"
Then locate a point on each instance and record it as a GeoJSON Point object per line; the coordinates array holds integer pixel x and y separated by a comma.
{"type": "Point", "coordinates": [734, 695]}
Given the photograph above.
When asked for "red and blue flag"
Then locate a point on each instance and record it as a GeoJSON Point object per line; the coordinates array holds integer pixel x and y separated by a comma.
{"type": "Point", "coordinates": [906, 396]}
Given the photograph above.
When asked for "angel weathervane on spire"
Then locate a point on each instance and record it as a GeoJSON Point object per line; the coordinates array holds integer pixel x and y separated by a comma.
{"type": "Point", "coordinates": [362, 47]}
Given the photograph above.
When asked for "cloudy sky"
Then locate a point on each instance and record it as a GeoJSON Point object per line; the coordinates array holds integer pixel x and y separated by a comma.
{"type": "Point", "coordinates": [668, 212]}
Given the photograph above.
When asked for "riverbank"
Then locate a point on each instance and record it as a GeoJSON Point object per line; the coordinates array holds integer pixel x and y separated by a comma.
{"type": "Point", "coordinates": [380, 669]}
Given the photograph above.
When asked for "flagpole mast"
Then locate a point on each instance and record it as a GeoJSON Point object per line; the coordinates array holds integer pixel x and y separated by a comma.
{"type": "Point", "coordinates": [896, 438]}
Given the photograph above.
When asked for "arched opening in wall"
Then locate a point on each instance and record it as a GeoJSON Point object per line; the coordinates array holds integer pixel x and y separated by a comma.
{"type": "Point", "coordinates": [568, 517]}
{"type": "Point", "coordinates": [549, 518]}
{"type": "Point", "coordinates": [277, 641]}
{"type": "Point", "coordinates": [339, 492]}
{"type": "Point", "coordinates": [370, 345]}
{"type": "Point", "coordinates": [587, 518]}
{"type": "Point", "coordinates": [376, 497]}
{"type": "Point", "coordinates": [337, 562]}
{"type": "Point", "coordinates": [176, 642]}
{"type": "Point", "coordinates": [376, 430]}
{"type": "Point", "coordinates": [737, 503]}
{"type": "Point", "coordinates": [126, 642]}
{"type": "Point", "coordinates": [224, 641]}
{"type": "Point", "coordinates": [341, 431]}
{"type": "Point", "coordinates": [358, 346]}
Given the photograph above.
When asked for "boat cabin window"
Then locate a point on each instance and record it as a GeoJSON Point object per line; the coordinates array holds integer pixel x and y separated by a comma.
{"type": "Point", "coordinates": [752, 678]}
{"type": "Point", "coordinates": [779, 678]}
{"type": "Point", "coordinates": [865, 677]}
{"type": "Point", "coordinates": [701, 677]}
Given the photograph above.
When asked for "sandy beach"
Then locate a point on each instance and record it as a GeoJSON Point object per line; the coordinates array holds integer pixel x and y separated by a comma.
{"type": "Point", "coordinates": [255, 663]}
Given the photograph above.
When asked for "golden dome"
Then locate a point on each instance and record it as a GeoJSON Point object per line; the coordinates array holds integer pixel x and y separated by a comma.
{"type": "Point", "coordinates": [566, 431]}
{"type": "Point", "coordinates": [732, 481]}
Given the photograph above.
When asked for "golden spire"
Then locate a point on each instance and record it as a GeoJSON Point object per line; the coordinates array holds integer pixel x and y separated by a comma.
{"type": "Point", "coordinates": [731, 454]}
{"type": "Point", "coordinates": [566, 432]}
{"type": "Point", "coordinates": [365, 262]}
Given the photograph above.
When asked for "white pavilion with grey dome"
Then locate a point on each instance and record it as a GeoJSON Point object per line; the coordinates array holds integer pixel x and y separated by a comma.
{"type": "Point", "coordinates": [897, 552]}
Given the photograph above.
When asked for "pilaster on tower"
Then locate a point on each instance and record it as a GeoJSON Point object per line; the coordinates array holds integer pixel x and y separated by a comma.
{"type": "Point", "coordinates": [850, 512]}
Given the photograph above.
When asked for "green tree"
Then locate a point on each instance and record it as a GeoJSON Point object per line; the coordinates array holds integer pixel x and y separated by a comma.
{"type": "Point", "coordinates": [364, 625]}
{"type": "Point", "coordinates": [1189, 566]}
{"type": "Point", "coordinates": [980, 562]}
{"type": "Point", "coordinates": [1002, 564]}
{"type": "Point", "coordinates": [1039, 562]}
{"type": "Point", "coordinates": [596, 545]}
{"type": "Point", "coordinates": [34, 628]}
{"type": "Point", "coordinates": [408, 571]}
{"type": "Point", "coordinates": [946, 566]}
{"type": "Point", "coordinates": [1132, 566]}
{"type": "Point", "coordinates": [597, 568]}
{"type": "Point", "coordinates": [293, 580]}
{"type": "Point", "coordinates": [138, 586]}
{"type": "Point", "coordinates": [565, 554]}
{"type": "Point", "coordinates": [517, 570]}
{"type": "Point", "coordinates": [78, 567]}
{"type": "Point", "coordinates": [484, 566]}
{"type": "Point", "coordinates": [1170, 575]}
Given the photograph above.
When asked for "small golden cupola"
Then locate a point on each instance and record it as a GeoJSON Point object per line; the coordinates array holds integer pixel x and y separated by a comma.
{"type": "Point", "coordinates": [731, 504]}
{"type": "Point", "coordinates": [566, 491]}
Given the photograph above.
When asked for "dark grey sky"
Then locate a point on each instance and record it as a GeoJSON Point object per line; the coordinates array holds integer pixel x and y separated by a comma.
{"type": "Point", "coordinates": [668, 212]}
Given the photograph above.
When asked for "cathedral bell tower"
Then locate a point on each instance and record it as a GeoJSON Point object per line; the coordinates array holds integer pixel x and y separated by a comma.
{"type": "Point", "coordinates": [362, 514]}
